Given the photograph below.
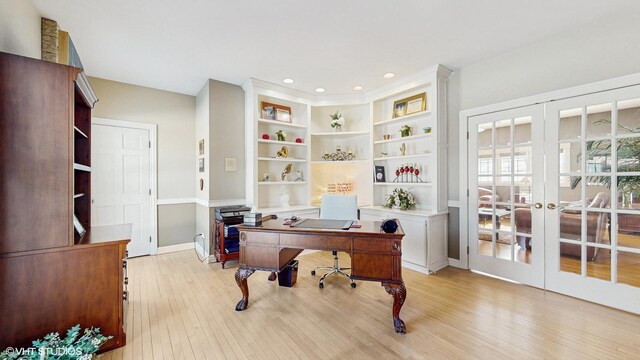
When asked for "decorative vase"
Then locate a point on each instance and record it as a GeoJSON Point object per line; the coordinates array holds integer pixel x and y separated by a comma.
{"type": "Point", "coordinates": [338, 128]}
{"type": "Point", "coordinates": [405, 133]}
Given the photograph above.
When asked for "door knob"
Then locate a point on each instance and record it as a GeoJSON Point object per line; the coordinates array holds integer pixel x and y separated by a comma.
{"type": "Point", "coordinates": [538, 206]}
{"type": "Point", "coordinates": [551, 206]}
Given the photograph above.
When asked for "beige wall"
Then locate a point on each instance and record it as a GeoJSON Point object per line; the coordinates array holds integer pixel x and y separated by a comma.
{"type": "Point", "coordinates": [226, 132]}
{"type": "Point", "coordinates": [19, 28]}
{"type": "Point", "coordinates": [174, 115]}
{"type": "Point", "coordinates": [202, 133]}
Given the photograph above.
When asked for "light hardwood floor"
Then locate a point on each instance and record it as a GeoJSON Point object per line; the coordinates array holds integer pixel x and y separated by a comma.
{"type": "Point", "coordinates": [180, 308]}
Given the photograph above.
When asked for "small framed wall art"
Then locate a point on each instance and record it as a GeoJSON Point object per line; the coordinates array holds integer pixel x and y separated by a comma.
{"type": "Point", "coordinates": [201, 165]}
{"type": "Point", "coordinates": [379, 174]}
{"type": "Point", "coordinates": [275, 112]}
{"type": "Point", "coordinates": [201, 147]}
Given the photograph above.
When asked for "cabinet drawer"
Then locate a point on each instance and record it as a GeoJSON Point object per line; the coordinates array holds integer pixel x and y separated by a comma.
{"type": "Point", "coordinates": [318, 242]}
{"type": "Point", "coordinates": [371, 244]}
{"type": "Point", "coordinates": [259, 238]}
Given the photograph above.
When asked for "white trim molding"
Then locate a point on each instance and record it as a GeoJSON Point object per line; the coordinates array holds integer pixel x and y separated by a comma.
{"type": "Point", "coordinates": [177, 201]}
{"type": "Point", "coordinates": [173, 248]}
{"type": "Point", "coordinates": [203, 202]}
{"type": "Point", "coordinates": [153, 165]}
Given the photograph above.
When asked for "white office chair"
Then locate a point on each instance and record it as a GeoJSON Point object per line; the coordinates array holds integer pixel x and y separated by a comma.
{"type": "Point", "coordinates": [337, 207]}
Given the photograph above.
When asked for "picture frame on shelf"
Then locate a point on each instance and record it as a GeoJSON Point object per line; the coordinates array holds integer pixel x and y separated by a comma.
{"type": "Point", "coordinates": [411, 105]}
{"type": "Point", "coordinates": [275, 112]}
{"type": "Point", "coordinates": [379, 174]}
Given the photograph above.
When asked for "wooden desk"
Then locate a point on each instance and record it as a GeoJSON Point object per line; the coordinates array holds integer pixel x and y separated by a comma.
{"type": "Point", "coordinates": [375, 256]}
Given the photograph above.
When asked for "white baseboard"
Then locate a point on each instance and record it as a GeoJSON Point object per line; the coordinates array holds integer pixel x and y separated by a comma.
{"type": "Point", "coordinates": [201, 251]}
{"type": "Point", "coordinates": [457, 263]}
{"type": "Point", "coordinates": [174, 248]}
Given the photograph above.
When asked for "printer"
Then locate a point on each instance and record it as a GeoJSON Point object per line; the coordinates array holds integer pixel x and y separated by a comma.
{"type": "Point", "coordinates": [233, 213]}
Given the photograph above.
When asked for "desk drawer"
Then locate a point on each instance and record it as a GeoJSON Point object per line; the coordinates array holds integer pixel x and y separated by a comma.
{"type": "Point", "coordinates": [371, 244]}
{"type": "Point", "coordinates": [259, 238]}
{"type": "Point", "coordinates": [317, 242]}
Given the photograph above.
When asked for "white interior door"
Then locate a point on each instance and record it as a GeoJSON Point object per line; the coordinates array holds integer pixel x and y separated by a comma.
{"type": "Point", "coordinates": [506, 182]}
{"type": "Point", "coordinates": [592, 198]}
{"type": "Point", "coordinates": [120, 182]}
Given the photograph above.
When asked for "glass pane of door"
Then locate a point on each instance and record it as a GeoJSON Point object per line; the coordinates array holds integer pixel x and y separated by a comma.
{"type": "Point", "coordinates": [504, 149]}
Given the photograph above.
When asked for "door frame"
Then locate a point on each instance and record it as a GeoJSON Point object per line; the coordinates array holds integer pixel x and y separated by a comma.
{"type": "Point", "coordinates": [153, 177]}
{"type": "Point", "coordinates": [464, 115]}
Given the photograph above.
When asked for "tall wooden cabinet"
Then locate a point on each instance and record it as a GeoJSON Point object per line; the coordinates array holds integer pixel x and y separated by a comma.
{"type": "Point", "coordinates": [51, 278]}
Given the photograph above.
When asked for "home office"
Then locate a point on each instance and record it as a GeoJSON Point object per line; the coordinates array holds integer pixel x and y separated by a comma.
{"type": "Point", "coordinates": [201, 144]}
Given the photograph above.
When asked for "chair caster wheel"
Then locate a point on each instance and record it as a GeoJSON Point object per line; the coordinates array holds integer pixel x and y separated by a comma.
{"type": "Point", "coordinates": [353, 285]}
{"type": "Point", "coordinates": [321, 286]}
{"type": "Point", "coordinates": [313, 273]}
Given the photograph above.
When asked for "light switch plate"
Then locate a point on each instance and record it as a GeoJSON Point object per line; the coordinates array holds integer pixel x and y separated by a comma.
{"type": "Point", "coordinates": [229, 164]}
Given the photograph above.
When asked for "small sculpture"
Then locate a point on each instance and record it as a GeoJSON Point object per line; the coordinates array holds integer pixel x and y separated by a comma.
{"type": "Point", "coordinates": [298, 176]}
{"type": "Point", "coordinates": [286, 171]}
{"type": "Point", "coordinates": [403, 149]}
{"type": "Point", "coordinates": [284, 152]}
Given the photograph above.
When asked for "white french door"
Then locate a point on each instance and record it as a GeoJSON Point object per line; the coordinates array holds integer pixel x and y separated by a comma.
{"type": "Point", "coordinates": [506, 182]}
{"type": "Point", "coordinates": [120, 182]}
{"type": "Point", "coordinates": [592, 197]}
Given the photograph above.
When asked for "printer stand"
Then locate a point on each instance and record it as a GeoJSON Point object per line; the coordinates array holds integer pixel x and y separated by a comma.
{"type": "Point", "coordinates": [219, 250]}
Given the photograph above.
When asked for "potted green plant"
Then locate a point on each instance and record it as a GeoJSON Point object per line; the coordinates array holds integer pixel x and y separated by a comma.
{"type": "Point", "coordinates": [282, 135]}
{"type": "Point", "coordinates": [405, 131]}
{"type": "Point", "coordinates": [400, 199]}
{"type": "Point", "coordinates": [628, 153]}
{"type": "Point", "coordinates": [73, 346]}
{"type": "Point", "coordinates": [337, 121]}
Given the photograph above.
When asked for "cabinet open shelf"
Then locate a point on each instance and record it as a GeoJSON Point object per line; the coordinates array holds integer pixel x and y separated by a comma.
{"type": "Point", "coordinates": [339, 162]}
{"type": "Point", "coordinates": [405, 118]}
{"type": "Point", "coordinates": [406, 184]}
{"type": "Point", "coordinates": [340, 133]}
{"type": "Point", "coordinates": [282, 182]}
{"type": "Point", "coordinates": [276, 142]}
{"type": "Point", "coordinates": [281, 159]}
{"type": "Point", "coordinates": [412, 156]}
{"type": "Point", "coordinates": [81, 167]}
{"type": "Point", "coordinates": [281, 123]}
{"type": "Point", "coordinates": [406, 138]}
{"type": "Point", "coordinates": [78, 131]}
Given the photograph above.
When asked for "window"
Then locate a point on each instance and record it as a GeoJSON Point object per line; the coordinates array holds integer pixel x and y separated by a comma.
{"type": "Point", "coordinates": [485, 167]}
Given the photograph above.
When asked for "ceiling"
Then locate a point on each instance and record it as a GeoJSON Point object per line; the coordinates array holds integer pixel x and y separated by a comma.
{"type": "Point", "coordinates": [178, 45]}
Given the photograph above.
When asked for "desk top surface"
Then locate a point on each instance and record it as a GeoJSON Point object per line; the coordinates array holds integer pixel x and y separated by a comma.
{"type": "Point", "coordinates": [366, 228]}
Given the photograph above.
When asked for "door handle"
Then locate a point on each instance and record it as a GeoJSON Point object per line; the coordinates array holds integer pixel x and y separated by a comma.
{"type": "Point", "coordinates": [551, 206]}
{"type": "Point", "coordinates": [538, 206]}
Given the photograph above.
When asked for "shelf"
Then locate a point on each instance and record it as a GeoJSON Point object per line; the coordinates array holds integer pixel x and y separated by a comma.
{"type": "Point", "coordinates": [281, 159]}
{"type": "Point", "coordinates": [276, 142]}
{"type": "Point", "coordinates": [78, 195]}
{"type": "Point", "coordinates": [281, 123]}
{"type": "Point", "coordinates": [416, 212]}
{"type": "Point", "coordinates": [339, 162]}
{"type": "Point", "coordinates": [412, 156]}
{"type": "Point", "coordinates": [401, 184]}
{"type": "Point", "coordinates": [267, 210]}
{"type": "Point", "coordinates": [81, 167]}
{"type": "Point", "coordinates": [406, 138]}
{"type": "Point", "coordinates": [340, 133]}
{"type": "Point", "coordinates": [282, 182]}
{"type": "Point", "coordinates": [80, 132]}
{"type": "Point", "coordinates": [404, 118]}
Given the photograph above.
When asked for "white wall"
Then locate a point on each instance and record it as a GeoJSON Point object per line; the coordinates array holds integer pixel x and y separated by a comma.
{"type": "Point", "coordinates": [19, 28]}
{"type": "Point", "coordinates": [602, 50]}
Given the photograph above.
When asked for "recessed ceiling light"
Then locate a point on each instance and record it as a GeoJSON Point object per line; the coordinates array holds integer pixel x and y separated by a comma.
{"type": "Point", "coordinates": [389, 75]}
{"type": "Point", "coordinates": [320, 90]}
{"type": "Point", "coordinates": [288, 81]}
{"type": "Point", "coordinates": [357, 88]}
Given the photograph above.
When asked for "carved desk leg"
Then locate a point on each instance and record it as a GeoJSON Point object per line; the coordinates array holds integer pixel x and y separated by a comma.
{"type": "Point", "coordinates": [241, 280]}
{"type": "Point", "coordinates": [399, 293]}
{"type": "Point", "coordinates": [273, 276]}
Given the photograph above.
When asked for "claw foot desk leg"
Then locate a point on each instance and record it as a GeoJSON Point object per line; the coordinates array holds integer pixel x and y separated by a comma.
{"type": "Point", "coordinates": [272, 276]}
{"type": "Point", "coordinates": [399, 293]}
{"type": "Point", "coordinates": [241, 280]}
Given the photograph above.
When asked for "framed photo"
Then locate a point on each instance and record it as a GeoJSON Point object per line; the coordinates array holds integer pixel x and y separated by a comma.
{"type": "Point", "coordinates": [379, 174]}
{"type": "Point", "coordinates": [78, 226]}
{"type": "Point", "coordinates": [283, 115]}
{"type": "Point", "coordinates": [410, 105]}
{"type": "Point", "coordinates": [275, 112]}
{"type": "Point", "coordinates": [201, 164]}
{"type": "Point", "coordinates": [201, 147]}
